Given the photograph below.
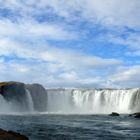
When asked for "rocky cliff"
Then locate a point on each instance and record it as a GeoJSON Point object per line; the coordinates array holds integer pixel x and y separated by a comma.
{"type": "Point", "coordinates": [22, 97]}
{"type": "Point", "coordinates": [38, 94]}
{"type": "Point", "coordinates": [15, 94]}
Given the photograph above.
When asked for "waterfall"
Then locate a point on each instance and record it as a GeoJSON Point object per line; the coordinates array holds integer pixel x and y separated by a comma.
{"type": "Point", "coordinates": [59, 101]}
{"type": "Point", "coordinates": [75, 101]}
{"type": "Point", "coordinates": [106, 101]}
{"type": "Point", "coordinates": [4, 106]}
{"type": "Point", "coordinates": [29, 100]}
{"type": "Point", "coordinates": [13, 105]}
{"type": "Point", "coordinates": [92, 101]}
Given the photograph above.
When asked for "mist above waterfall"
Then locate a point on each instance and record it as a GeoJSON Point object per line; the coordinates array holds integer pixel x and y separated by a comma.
{"type": "Point", "coordinates": [34, 98]}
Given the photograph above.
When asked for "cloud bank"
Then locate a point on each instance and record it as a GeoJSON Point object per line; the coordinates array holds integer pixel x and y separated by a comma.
{"type": "Point", "coordinates": [70, 43]}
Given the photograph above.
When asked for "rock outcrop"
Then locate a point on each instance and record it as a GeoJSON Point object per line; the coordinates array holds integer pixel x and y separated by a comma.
{"type": "Point", "coordinates": [22, 97]}
{"type": "Point", "coordinates": [135, 115]}
{"type": "Point", "coordinates": [11, 135]}
{"type": "Point", "coordinates": [114, 114]}
{"type": "Point", "coordinates": [15, 93]}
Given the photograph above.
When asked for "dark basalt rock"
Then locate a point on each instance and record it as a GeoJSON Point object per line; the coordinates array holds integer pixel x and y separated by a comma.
{"type": "Point", "coordinates": [114, 114]}
{"type": "Point", "coordinates": [39, 96]}
{"type": "Point", "coordinates": [15, 92]}
{"type": "Point", "coordinates": [11, 135]}
{"type": "Point", "coordinates": [135, 115]}
{"type": "Point", "coordinates": [8, 89]}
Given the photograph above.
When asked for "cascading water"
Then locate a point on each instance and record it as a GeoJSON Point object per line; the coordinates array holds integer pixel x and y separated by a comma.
{"type": "Point", "coordinates": [29, 100]}
{"type": "Point", "coordinates": [76, 101]}
{"type": "Point", "coordinates": [106, 101]}
{"type": "Point", "coordinates": [94, 101]}
{"type": "Point", "coordinates": [59, 101]}
{"type": "Point", "coordinates": [4, 105]}
{"type": "Point", "coordinates": [14, 106]}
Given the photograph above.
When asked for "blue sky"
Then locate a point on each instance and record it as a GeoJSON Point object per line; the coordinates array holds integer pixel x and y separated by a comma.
{"type": "Point", "coordinates": [73, 43]}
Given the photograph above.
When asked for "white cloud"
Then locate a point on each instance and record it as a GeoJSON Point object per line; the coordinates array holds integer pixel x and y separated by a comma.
{"type": "Point", "coordinates": [127, 77]}
{"type": "Point", "coordinates": [31, 29]}
{"type": "Point", "coordinates": [131, 40]}
{"type": "Point", "coordinates": [67, 66]}
{"type": "Point", "coordinates": [75, 60]}
{"type": "Point", "coordinates": [115, 12]}
{"type": "Point", "coordinates": [68, 76]}
{"type": "Point", "coordinates": [10, 47]}
{"type": "Point", "coordinates": [27, 38]}
{"type": "Point", "coordinates": [109, 12]}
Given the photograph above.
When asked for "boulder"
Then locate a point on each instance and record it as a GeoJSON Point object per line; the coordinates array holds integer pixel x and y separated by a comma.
{"type": "Point", "coordinates": [135, 115]}
{"type": "Point", "coordinates": [11, 135]}
{"type": "Point", "coordinates": [114, 114]}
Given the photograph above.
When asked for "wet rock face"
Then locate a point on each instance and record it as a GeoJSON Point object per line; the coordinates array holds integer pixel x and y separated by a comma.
{"type": "Point", "coordinates": [39, 96]}
{"type": "Point", "coordinates": [11, 135]}
{"type": "Point", "coordinates": [15, 93]}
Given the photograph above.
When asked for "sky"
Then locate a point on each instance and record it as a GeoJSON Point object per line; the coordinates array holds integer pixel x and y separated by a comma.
{"type": "Point", "coordinates": [71, 43]}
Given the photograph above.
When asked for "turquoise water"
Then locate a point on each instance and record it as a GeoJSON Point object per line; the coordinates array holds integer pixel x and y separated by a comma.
{"type": "Point", "coordinates": [73, 127]}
